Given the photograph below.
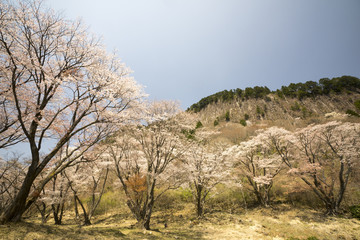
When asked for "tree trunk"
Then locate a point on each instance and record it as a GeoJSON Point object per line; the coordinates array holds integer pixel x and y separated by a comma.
{"type": "Point", "coordinates": [199, 208]}
{"type": "Point", "coordinates": [199, 204]}
{"type": "Point", "coordinates": [17, 208]}
{"type": "Point", "coordinates": [86, 216]}
{"type": "Point", "coordinates": [58, 211]}
{"type": "Point", "coordinates": [259, 197]}
{"type": "Point", "coordinates": [146, 224]}
{"type": "Point", "coordinates": [76, 209]}
{"type": "Point", "coordinates": [42, 210]}
{"type": "Point", "coordinates": [145, 221]}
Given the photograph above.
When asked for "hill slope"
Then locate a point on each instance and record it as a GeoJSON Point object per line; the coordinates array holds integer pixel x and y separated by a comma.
{"type": "Point", "coordinates": [295, 102]}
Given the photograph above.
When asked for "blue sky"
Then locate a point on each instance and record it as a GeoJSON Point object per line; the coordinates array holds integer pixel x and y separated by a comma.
{"type": "Point", "coordinates": [188, 49]}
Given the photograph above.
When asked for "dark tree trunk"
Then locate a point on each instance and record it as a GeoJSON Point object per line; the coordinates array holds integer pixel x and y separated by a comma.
{"type": "Point", "coordinates": [199, 204]}
{"type": "Point", "coordinates": [86, 216]}
{"type": "Point", "coordinates": [76, 209]}
{"type": "Point", "coordinates": [199, 208]}
{"type": "Point", "coordinates": [15, 211]}
{"type": "Point", "coordinates": [148, 214]}
{"type": "Point", "coordinates": [146, 224]}
{"type": "Point", "coordinates": [42, 210]}
{"type": "Point", "coordinates": [58, 211]}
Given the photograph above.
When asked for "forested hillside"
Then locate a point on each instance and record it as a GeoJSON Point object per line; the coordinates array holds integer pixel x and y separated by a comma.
{"type": "Point", "coordinates": [300, 91]}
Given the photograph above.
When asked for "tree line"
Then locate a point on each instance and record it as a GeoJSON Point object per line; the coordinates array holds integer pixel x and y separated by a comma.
{"type": "Point", "coordinates": [294, 90]}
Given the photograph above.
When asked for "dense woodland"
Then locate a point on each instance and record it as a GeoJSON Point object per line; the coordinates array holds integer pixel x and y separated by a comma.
{"type": "Point", "coordinates": [110, 149]}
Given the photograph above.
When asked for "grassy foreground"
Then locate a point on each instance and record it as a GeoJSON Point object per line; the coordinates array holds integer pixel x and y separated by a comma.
{"type": "Point", "coordinates": [280, 222]}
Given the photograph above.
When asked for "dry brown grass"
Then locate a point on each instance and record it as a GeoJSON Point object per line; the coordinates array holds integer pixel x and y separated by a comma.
{"type": "Point", "coordinates": [280, 222]}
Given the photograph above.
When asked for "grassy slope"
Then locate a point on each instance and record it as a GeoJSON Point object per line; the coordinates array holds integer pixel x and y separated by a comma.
{"type": "Point", "coordinates": [280, 222]}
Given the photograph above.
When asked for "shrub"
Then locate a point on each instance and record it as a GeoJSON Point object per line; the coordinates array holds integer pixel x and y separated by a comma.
{"type": "Point", "coordinates": [355, 211]}
{"type": "Point", "coordinates": [304, 112]}
{"type": "Point", "coordinates": [198, 125]}
{"type": "Point", "coordinates": [170, 200]}
{"type": "Point", "coordinates": [246, 116]}
{"type": "Point", "coordinates": [189, 134]}
{"type": "Point", "coordinates": [295, 107]}
{"type": "Point", "coordinates": [225, 199]}
{"type": "Point", "coordinates": [280, 94]}
{"type": "Point", "coordinates": [258, 110]}
{"type": "Point", "coordinates": [352, 113]}
{"type": "Point", "coordinates": [312, 238]}
{"type": "Point", "coordinates": [185, 194]}
{"type": "Point", "coordinates": [357, 104]}
{"type": "Point", "coordinates": [227, 116]}
{"type": "Point", "coordinates": [243, 122]}
{"type": "Point", "coordinates": [267, 99]}
{"type": "Point", "coordinates": [110, 200]}
{"type": "Point", "coordinates": [216, 122]}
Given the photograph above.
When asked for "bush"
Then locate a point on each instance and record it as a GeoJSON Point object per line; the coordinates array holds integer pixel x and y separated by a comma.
{"type": "Point", "coordinates": [280, 94]}
{"type": "Point", "coordinates": [246, 116]}
{"type": "Point", "coordinates": [357, 104]}
{"type": "Point", "coordinates": [189, 134]}
{"type": "Point", "coordinates": [243, 122]}
{"type": "Point", "coordinates": [225, 199]}
{"type": "Point", "coordinates": [295, 107]}
{"type": "Point", "coordinates": [305, 112]}
{"type": "Point", "coordinates": [185, 194]}
{"type": "Point", "coordinates": [355, 211]}
{"type": "Point", "coordinates": [227, 116]}
{"type": "Point", "coordinates": [352, 113]}
{"type": "Point", "coordinates": [258, 110]}
{"type": "Point", "coordinates": [171, 199]}
{"type": "Point", "coordinates": [198, 125]}
{"type": "Point", "coordinates": [216, 122]}
{"type": "Point", "coordinates": [312, 238]}
{"type": "Point", "coordinates": [109, 201]}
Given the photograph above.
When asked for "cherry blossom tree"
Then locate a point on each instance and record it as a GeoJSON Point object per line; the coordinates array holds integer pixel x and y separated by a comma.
{"type": "Point", "coordinates": [10, 133]}
{"type": "Point", "coordinates": [258, 162]}
{"type": "Point", "coordinates": [324, 156]}
{"type": "Point", "coordinates": [328, 155]}
{"type": "Point", "coordinates": [53, 197]}
{"type": "Point", "coordinates": [205, 167]}
{"type": "Point", "coordinates": [12, 174]}
{"type": "Point", "coordinates": [60, 195]}
{"type": "Point", "coordinates": [88, 178]}
{"type": "Point", "coordinates": [61, 85]}
{"type": "Point", "coordinates": [145, 158]}
{"type": "Point", "coordinates": [43, 202]}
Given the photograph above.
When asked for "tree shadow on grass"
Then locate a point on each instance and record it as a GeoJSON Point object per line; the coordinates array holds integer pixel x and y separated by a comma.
{"type": "Point", "coordinates": [26, 230]}
{"type": "Point", "coordinates": [31, 230]}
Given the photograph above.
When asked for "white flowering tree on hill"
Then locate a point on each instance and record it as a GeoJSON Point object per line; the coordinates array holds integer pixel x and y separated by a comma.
{"type": "Point", "coordinates": [205, 167]}
{"type": "Point", "coordinates": [87, 179]}
{"type": "Point", "coordinates": [12, 174]}
{"type": "Point", "coordinates": [9, 127]}
{"type": "Point", "coordinates": [329, 152]}
{"type": "Point", "coordinates": [324, 156]}
{"type": "Point", "coordinates": [60, 84]}
{"type": "Point", "coordinates": [146, 158]}
{"type": "Point", "coordinates": [258, 162]}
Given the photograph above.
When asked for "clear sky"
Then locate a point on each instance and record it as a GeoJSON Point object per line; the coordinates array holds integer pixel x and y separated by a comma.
{"type": "Point", "coordinates": [188, 49]}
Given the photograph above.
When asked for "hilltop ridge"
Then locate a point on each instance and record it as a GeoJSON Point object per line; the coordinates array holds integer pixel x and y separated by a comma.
{"type": "Point", "coordinates": [309, 89]}
{"type": "Point", "coordinates": [291, 106]}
